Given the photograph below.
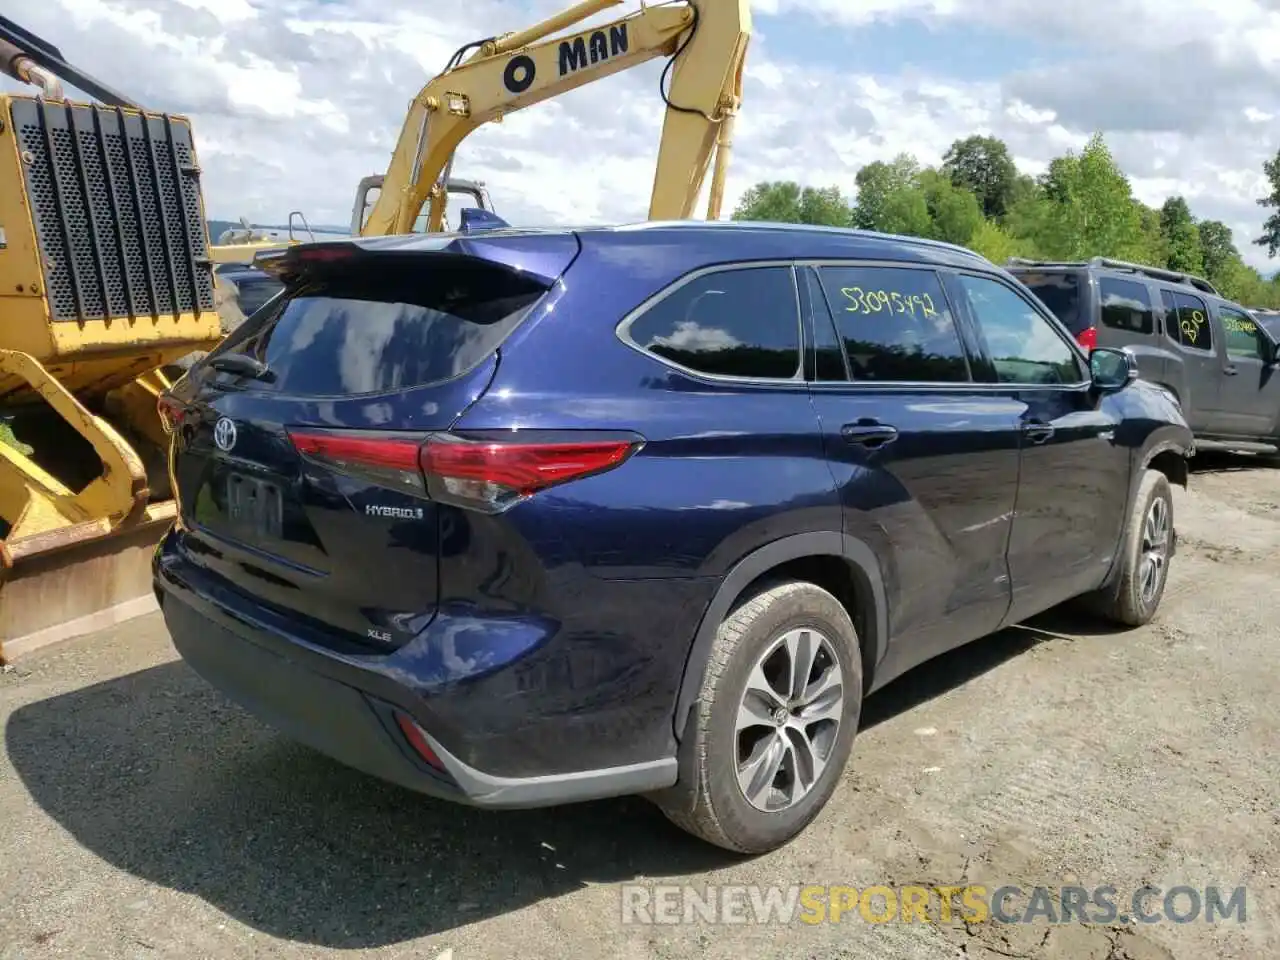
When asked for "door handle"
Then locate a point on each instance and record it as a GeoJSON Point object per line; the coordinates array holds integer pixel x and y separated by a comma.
{"type": "Point", "coordinates": [1037, 431]}
{"type": "Point", "coordinates": [1230, 370]}
{"type": "Point", "coordinates": [870, 434]}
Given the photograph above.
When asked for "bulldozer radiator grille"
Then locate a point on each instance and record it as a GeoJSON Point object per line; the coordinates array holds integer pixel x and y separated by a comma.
{"type": "Point", "coordinates": [115, 197]}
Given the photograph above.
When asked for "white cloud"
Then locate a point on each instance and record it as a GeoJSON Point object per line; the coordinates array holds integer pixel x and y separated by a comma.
{"type": "Point", "coordinates": [294, 101]}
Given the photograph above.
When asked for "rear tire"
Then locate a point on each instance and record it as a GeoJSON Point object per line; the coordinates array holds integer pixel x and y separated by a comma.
{"type": "Point", "coordinates": [1147, 548]}
{"type": "Point", "coordinates": [749, 721]}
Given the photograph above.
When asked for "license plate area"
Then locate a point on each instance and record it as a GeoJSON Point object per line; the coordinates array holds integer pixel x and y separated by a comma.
{"type": "Point", "coordinates": [254, 506]}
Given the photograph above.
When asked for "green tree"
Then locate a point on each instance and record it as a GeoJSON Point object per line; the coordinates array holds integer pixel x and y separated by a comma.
{"type": "Point", "coordinates": [876, 183]}
{"type": "Point", "coordinates": [1155, 249]}
{"type": "Point", "coordinates": [776, 201]}
{"type": "Point", "coordinates": [994, 242]}
{"type": "Point", "coordinates": [1093, 212]}
{"type": "Point", "coordinates": [824, 206]}
{"type": "Point", "coordinates": [982, 165]}
{"type": "Point", "coordinates": [1271, 227]}
{"type": "Point", "coordinates": [905, 211]}
{"type": "Point", "coordinates": [788, 202]}
{"type": "Point", "coordinates": [1217, 249]}
{"type": "Point", "coordinates": [1181, 237]}
{"type": "Point", "coordinates": [954, 211]}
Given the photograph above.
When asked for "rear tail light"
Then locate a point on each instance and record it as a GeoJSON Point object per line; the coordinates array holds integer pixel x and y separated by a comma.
{"type": "Point", "coordinates": [1088, 338]}
{"type": "Point", "coordinates": [387, 460]}
{"type": "Point", "coordinates": [491, 476]}
{"type": "Point", "coordinates": [486, 475]}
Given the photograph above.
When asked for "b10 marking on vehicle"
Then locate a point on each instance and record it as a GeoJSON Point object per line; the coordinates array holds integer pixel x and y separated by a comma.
{"type": "Point", "coordinates": [395, 513]}
{"type": "Point", "coordinates": [593, 48]}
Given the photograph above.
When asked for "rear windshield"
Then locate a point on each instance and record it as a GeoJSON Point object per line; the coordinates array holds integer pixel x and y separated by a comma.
{"type": "Point", "coordinates": [383, 327]}
{"type": "Point", "coordinates": [1060, 293]}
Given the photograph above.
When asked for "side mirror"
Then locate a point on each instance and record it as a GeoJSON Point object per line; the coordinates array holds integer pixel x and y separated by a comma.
{"type": "Point", "coordinates": [1112, 370]}
{"type": "Point", "coordinates": [1270, 350]}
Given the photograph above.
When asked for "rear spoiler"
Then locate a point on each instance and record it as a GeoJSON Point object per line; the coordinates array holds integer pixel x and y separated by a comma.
{"type": "Point", "coordinates": [542, 256]}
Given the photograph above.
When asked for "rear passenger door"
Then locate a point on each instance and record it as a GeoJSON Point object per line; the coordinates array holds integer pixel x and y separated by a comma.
{"type": "Point", "coordinates": [1188, 328]}
{"type": "Point", "coordinates": [925, 460]}
{"type": "Point", "coordinates": [1073, 482]}
{"type": "Point", "coordinates": [1249, 389]}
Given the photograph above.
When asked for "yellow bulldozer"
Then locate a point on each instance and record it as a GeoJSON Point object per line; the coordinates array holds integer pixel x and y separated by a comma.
{"type": "Point", "coordinates": [105, 278]}
{"type": "Point", "coordinates": [107, 273]}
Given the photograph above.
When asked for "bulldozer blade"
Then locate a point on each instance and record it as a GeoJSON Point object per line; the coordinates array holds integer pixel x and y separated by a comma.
{"type": "Point", "coordinates": [77, 580]}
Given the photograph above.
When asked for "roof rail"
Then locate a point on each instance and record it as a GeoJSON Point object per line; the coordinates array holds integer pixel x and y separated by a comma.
{"type": "Point", "coordinates": [1157, 273]}
{"type": "Point", "coordinates": [1025, 262]}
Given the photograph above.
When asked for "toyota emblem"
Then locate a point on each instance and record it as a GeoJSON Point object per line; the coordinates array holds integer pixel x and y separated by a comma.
{"type": "Point", "coordinates": [224, 434]}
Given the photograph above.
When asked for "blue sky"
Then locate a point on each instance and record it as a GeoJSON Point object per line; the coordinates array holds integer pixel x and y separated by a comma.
{"type": "Point", "coordinates": [294, 101]}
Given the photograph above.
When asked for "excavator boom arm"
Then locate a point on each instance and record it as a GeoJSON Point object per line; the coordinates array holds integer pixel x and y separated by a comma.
{"type": "Point", "coordinates": [708, 37]}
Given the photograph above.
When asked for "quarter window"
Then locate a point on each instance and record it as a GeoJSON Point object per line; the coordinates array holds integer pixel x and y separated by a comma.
{"type": "Point", "coordinates": [1186, 320]}
{"type": "Point", "coordinates": [1241, 334]}
{"type": "Point", "coordinates": [1024, 346]}
{"type": "Point", "coordinates": [732, 323]}
{"type": "Point", "coordinates": [895, 324]}
{"type": "Point", "coordinates": [1126, 305]}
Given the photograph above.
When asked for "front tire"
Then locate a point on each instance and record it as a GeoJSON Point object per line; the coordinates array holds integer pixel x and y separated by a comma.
{"type": "Point", "coordinates": [774, 723]}
{"type": "Point", "coordinates": [1147, 547]}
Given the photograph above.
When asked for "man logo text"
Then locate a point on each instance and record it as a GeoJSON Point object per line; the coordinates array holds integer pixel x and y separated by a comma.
{"type": "Point", "coordinates": [593, 48]}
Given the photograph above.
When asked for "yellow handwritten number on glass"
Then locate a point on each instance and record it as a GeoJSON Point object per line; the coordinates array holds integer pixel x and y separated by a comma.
{"type": "Point", "coordinates": [877, 301]}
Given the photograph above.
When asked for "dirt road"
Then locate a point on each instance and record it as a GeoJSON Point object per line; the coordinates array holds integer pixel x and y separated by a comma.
{"type": "Point", "coordinates": [142, 816]}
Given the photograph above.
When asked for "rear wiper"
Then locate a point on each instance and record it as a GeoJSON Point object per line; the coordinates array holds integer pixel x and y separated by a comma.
{"type": "Point", "coordinates": [242, 365]}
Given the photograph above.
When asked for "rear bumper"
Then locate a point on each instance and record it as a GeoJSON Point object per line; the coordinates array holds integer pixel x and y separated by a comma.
{"type": "Point", "coordinates": [346, 710]}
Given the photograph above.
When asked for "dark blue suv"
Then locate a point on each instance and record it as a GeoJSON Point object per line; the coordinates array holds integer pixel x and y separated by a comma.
{"type": "Point", "coordinates": [531, 517]}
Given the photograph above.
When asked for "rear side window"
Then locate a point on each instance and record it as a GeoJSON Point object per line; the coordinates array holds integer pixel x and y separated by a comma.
{"type": "Point", "coordinates": [1186, 320]}
{"type": "Point", "coordinates": [895, 324]}
{"type": "Point", "coordinates": [1060, 292]}
{"type": "Point", "coordinates": [731, 323]}
{"type": "Point", "coordinates": [1126, 305]}
{"type": "Point", "coordinates": [382, 328]}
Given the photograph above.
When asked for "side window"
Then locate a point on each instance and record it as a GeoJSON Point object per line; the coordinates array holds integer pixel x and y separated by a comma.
{"type": "Point", "coordinates": [895, 324]}
{"type": "Point", "coordinates": [732, 323]}
{"type": "Point", "coordinates": [1024, 346]}
{"type": "Point", "coordinates": [1126, 305]}
{"type": "Point", "coordinates": [1241, 334]}
{"type": "Point", "coordinates": [1186, 320]}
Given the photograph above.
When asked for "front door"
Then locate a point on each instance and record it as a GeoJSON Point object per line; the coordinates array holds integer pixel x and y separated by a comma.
{"type": "Point", "coordinates": [925, 460]}
{"type": "Point", "coordinates": [1249, 388]}
{"type": "Point", "coordinates": [1073, 473]}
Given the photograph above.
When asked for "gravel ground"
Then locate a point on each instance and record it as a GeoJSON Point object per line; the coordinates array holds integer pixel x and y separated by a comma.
{"type": "Point", "coordinates": [142, 816]}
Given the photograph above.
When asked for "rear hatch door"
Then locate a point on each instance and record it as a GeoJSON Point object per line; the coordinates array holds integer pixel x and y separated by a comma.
{"type": "Point", "coordinates": [295, 455]}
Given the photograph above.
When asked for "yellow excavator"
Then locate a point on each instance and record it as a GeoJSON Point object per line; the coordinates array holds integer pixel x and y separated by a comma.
{"type": "Point", "coordinates": [107, 272]}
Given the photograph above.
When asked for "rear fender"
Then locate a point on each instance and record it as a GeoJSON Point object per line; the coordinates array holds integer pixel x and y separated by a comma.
{"type": "Point", "coordinates": [758, 563]}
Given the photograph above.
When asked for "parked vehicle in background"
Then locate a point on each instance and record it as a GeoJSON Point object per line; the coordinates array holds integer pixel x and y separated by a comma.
{"type": "Point", "coordinates": [253, 287]}
{"type": "Point", "coordinates": [1212, 354]}
{"type": "Point", "coordinates": [1269, 317]}
{"type": "Point", "coordinates": [533, 517]}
